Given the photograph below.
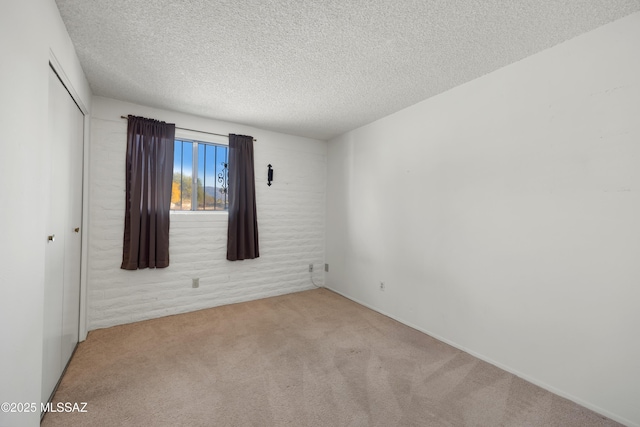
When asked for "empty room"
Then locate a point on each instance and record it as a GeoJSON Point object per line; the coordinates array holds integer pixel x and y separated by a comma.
{"type": "Point", "coordinates": [333, 213]}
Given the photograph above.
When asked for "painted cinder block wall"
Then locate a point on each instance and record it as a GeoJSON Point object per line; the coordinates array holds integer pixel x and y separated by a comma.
{"type": "Point", "coordinates": [290, 225]}
{"type": "Point", "coordinates": [504, 218]}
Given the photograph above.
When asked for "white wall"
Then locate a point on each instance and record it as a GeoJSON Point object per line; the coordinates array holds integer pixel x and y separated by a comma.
{"type": "Point", "coordinates": [30, 31]}
{"type": "Point", "coordinates": [504, 217]}
{"type": "Point", "coordinates": [290, 226]}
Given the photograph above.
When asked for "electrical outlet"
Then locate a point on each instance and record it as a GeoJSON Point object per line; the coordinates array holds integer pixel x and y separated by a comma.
{"type": "Point", "coordinates": [195, 283]}
{"type": "Point", "coordinates": [326, 268]}
{"type": "Point", "coordinates": [310, 268]}
{"type": "Point", "coordinates": [382, 286]}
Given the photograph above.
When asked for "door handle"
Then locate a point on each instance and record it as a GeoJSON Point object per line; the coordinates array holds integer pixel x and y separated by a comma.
{"type": "Point", "coordinates": [51, 237]}
{"type": "Point", "coordinates": [77, 229]}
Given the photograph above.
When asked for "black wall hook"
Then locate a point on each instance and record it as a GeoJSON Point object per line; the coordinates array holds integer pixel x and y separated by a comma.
{"type": "Point", "coordinates": [269, 176]}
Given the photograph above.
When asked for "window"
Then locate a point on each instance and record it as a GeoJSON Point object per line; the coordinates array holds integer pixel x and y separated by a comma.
{"type": "Point", "coordinates": [199, 176]}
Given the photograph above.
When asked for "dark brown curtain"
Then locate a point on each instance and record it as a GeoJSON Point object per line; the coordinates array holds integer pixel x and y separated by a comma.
{"type": "Point", "coordinates": [149, 173]}
{"type": "Point", "coordinates": [242, 234]}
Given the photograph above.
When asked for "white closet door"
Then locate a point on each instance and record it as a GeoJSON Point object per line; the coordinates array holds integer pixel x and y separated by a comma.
{"type": "Point", "coordinates": [62, 264]}
{"type": "Point", "coordinates": [73, 240]}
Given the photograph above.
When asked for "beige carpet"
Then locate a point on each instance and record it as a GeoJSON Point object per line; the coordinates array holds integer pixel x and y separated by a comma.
{"type": "Point", "coordinates": [312, 358]}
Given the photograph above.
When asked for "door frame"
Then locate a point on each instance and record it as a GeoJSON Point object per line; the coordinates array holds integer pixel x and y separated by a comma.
{"type": "Point", "coordinates": [59, 70]}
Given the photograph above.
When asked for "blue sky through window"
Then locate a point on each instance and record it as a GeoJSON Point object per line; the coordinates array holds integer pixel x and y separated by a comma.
{"type": "Point", "coordinates": [183, 157]}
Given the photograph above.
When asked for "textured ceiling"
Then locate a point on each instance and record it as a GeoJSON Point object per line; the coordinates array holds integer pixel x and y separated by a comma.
{"type": "Point", "coordinates": [315, 68]}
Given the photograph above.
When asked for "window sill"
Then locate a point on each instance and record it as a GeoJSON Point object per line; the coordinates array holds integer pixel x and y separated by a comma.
{"type": "Point", "coordinates": [198, 212]}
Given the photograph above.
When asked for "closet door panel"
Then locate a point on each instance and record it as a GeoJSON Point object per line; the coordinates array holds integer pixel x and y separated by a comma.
{"type": "Point", "coordinates": [56, 195]}
{"type": "Point", "coordinates": [73, 241]}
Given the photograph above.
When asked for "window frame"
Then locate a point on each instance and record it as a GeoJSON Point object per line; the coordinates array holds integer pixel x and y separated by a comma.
{"type": "Point", "coordinates": [198, 138]}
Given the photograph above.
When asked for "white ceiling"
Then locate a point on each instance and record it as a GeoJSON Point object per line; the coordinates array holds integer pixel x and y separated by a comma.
{"type": "Point", "coordinates": [315, 68]}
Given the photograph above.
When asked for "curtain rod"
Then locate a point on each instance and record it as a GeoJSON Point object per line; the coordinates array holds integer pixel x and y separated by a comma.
{"type": "Point", "coordinates": [193, 130]}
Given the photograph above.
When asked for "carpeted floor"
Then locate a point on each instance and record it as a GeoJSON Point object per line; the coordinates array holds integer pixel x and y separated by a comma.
{"type": "Point", "coordinates": [312, 358]}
